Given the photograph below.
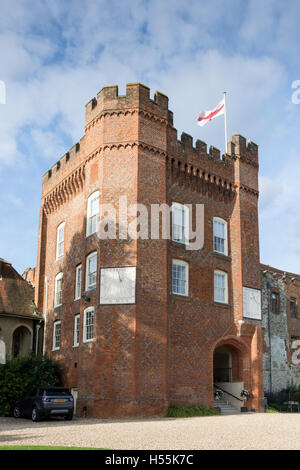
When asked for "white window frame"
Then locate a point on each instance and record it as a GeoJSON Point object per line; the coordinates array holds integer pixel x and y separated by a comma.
{"type": "Point", "coordinates": [180, 262]}
{"type": "Point", "coordinates": [60, 242]}
{"type": "Point", "coordinates": [87, 273]}
{"type": "Point", "coordinates": [58, 277]}
{"type": "Point", "coordinates": [186, 216]}
{"type": "Point", "coordinates": [55, 325]}
{"type": "Point", "coordinates": [85, 316]}
{"type": "Point", "coordinates": [224, 223]}
{"type": "Point", "coordinates": [78, 282]}
{"type": "Point", "coordinates": [225, 276]}
{"type": "Point", "coordinates": [76, 330]}
{"type": "Point", "coordinates": [90, 216]}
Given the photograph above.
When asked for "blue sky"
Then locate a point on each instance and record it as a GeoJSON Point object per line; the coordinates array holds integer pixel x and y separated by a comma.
{"type": "Point", "coordinates": [56, 55]}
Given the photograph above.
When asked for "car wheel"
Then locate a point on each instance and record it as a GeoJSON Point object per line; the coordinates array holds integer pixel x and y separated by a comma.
{"type": "Point", "coordinates": [35, 415]}
{"type": "Point", "coordinates": [69, 416]}
{"type": "Point", "coordinates": [17, 412]}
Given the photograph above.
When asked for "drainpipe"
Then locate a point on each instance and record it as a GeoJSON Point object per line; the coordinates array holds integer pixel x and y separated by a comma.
{"type": "Point", "coordinates": [270, 341]}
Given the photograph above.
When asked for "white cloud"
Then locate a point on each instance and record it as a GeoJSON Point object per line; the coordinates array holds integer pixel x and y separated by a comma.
{"type": "Point", "coordinates": [56, 56]}
{"type": "Point", "coordinates": [280, 215]}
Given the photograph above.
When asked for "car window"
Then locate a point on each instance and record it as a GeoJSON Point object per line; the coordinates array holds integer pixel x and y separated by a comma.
{"type": "Point", "coordinates": [52, 392]}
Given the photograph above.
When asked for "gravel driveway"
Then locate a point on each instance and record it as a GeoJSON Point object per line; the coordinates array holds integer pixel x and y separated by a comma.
{"type": "Point", "coordinates": [245, 431]}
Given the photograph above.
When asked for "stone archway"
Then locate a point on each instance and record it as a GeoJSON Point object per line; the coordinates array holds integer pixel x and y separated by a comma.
{"type": "Point", "coordinates": [21, 341]}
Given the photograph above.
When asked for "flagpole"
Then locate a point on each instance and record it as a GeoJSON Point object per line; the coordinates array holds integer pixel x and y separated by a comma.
{"type": "Point", "coordinates": [225, 121]}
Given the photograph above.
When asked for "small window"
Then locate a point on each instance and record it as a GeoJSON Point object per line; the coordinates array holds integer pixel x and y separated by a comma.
{"type": "Point", "coordinates": [293, 308]}
{"type": "Point", "coordinates": [220, 287]}
{"type": "Point", "coordinates": [60, 240]}
{"type": "Point", "coordinates": [91, 271]}
{"type": "Point", "coordinates": [180, 274]}
{"type": "Point", "coordinates": [92, 213]}
{"type": "Point", "coordinates": [58, 290]}
{"type": "Point", "coordinates": [78, 280]}
{"type": "Point", "coordinates": [180, 223]}
{"type": "Point", "coordinates": [274, 302]}
{"type": "Point", "coordinates": [56, 335]}
{"type": "Point", "coordinates": [77, 330]}
{"type": "Point", "coordinates": [88, 325]}
{"type": "Point", "coordinates": [220, 236]}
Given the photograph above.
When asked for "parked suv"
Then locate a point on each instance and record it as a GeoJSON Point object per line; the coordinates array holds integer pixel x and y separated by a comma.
{"type": "Point", "coordinates": [46, 402]}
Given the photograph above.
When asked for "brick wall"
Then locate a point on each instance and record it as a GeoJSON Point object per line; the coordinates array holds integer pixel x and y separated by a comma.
{"type": "Point", "coordinates": [158, 351]}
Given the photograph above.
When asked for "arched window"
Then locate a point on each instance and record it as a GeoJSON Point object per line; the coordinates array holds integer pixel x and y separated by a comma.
{"type": "Point", "coordinates": [56, 335]}
{"type": "Point", "coordinates": [60, 240]}
{"type": "Point", "coordinates": [88, 324]}
{"type": "Point", "coordinates": [220, 236]}
{"type": "Point", "coordinates": [78, 281]}
{"type": "Point", "coordinates": [58, 290]}
{"type": "Point", "coordinates": [91, 271]}
{"type": "Point", "coordinates": [180, 223]}
{"type": "Point", "coordinates": [180, 277]}
{"type": "Point", "coordinates": [220, 286]}
{"type": "Point", "coordinates": [92, 213]}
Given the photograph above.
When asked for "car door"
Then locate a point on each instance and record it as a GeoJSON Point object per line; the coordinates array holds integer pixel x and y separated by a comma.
{"type": "Point", "coordinates": [28, 404]}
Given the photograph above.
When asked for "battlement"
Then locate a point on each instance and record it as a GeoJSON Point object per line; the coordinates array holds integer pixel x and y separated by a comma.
{"type": "Point", "coordinates": [137, 96]}
{"type": "Point", "coordinates": [200, 150]}
{"type": "Point", "coordinates": [243, 149]}
{"type": "Point", "coordinates": [137, 99]}
{"type": "Point", "coordinates": [60, 164]}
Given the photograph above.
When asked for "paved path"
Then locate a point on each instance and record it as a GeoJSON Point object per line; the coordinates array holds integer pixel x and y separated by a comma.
{"type": "Point", "coordinates": [245, 431]}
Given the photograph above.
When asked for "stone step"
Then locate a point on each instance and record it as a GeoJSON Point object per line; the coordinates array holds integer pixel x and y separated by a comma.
{"type": "Point", "coordinates": [226, 408]}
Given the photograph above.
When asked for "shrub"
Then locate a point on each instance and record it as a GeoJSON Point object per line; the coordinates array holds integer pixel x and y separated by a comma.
{"type": "Point", "coordinates": [21, 376]}
{"type": "Point", "coordinates": [189, 411]}
{"type": "Point", "coordinates": [271, 410]}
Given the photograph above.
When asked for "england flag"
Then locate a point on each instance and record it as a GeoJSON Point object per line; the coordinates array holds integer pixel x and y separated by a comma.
{"type": "Point", "coordinates": [206, 116]}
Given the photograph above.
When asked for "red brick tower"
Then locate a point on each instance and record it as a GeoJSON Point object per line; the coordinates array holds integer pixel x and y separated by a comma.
{"type": "Point", "coordinates": [159, 350]}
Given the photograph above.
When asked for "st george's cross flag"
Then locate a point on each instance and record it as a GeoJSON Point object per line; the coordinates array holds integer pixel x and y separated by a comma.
{"type": "Point", "coordinates": [206, 116]}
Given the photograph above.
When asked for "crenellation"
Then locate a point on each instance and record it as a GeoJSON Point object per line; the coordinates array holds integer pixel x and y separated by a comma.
{"type": "Point", "coordinates": [201, 147]}
{"type": "Point", "coordinates": [186, 141]}
{"type": "Point", "coordinates": [214, 153]}
{"type": "Point", "coordinates": [243, 149]}
{"type": "Point", "coordinates": [170, 117]}
{"type": "Point", "coordinates": [65, 159]}
{"type": "Point", "coordinates": [137, 97]}
{"type": "Point", "coordinates": [161, 100]}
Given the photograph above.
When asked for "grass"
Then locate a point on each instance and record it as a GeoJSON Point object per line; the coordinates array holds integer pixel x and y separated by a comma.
{"type": "Point", "coordinates": [271, 410]}
{"type": "Point", "coordinates": [189, 411]}
{"type": "Point", "coordinates": [46, 448]}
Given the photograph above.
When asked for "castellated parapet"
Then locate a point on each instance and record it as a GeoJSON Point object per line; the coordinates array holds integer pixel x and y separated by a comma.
{"type": "Point", "coordinates": [129, 114]}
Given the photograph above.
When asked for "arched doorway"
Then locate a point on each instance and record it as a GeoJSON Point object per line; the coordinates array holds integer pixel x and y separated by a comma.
{"type": "Point", "coordinates": [222, 364]}
{"type": "Point", "coordinates": [228, 363]}
{"type": "Point", "coordinates": [230, 370]}
{"type": "Point", "coordinates": [22, 341]}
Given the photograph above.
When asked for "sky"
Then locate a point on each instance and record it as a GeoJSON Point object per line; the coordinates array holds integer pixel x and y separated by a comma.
{"type": "Point", "coordinates": [55, 55]}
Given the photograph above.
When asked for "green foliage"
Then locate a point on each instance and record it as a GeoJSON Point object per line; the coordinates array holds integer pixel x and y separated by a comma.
{"type": "Point", "coordinates": [189, 411]}
{"type": "Point", "coordinates": [22, 376]}
{"type": "Point", "coordinates": [292, 388]}
{"type": "Point", "coordinates": [271, 410]}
